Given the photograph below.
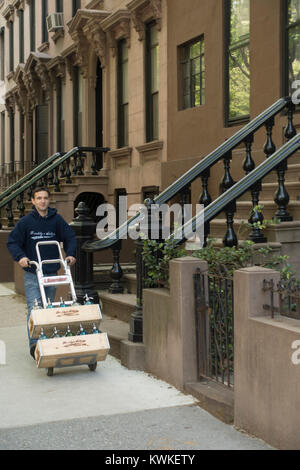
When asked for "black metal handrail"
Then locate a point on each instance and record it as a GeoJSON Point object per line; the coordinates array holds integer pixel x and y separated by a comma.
{"type": "Point", "coordinates": [238, 189]}
{"type": "Point", "coordinates": [30, 175]}
{"type": "Point", "coordinates": [42, 171]}
{"type": "Point", "coordinates": [194, 172]}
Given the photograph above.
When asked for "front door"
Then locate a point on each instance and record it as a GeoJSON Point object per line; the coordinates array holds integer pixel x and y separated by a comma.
{"type": "Point", "coordinates": [99, 115]}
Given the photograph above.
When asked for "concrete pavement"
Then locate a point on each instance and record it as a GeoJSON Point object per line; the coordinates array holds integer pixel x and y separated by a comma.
{"type": "Point", "coordinates": [112, 408]}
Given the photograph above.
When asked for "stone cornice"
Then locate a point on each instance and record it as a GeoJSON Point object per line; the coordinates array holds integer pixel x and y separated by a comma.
{"type": "Point", "coordinates": [143, 11]}
{"type": "Point", "coordinates": [117, 26]}
{"type": "Point", "coordinates": [86, 31]}
{"type": "Point", "coordinates": [95, 3]}
{"type": "Point", "coordinates": [8, 13]}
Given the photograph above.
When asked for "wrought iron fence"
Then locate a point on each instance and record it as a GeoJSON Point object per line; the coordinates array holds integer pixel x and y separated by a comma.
{"type": "Point", "coordinates": [284, 298]}
{"type": "Point", "coordinates": [214, 318]}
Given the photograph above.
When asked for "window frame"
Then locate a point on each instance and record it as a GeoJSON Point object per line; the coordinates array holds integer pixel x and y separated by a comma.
{"type": "Point", "coordinates": [285, 48]}
{"type": "Point", "coordinates": [150, 124]}
{"type": "Point", "coordinates": [182, 61]}
{"type": "Point", "coordinates": [123, 106]}
{"type": "Point", "coordinates": [229, 122]}
{"type": "Point", "coordinates": [21, 37]}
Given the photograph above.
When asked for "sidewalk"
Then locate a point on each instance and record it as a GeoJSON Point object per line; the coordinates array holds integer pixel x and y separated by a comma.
{"type": "Point", "coordinates": [112, 408]}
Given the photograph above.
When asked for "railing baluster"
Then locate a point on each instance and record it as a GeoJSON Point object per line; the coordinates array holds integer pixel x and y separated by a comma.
{"type": "Point", "coordinates": [230, 238]}
{"type": "Point", "coordinates": [20, 205]}
{"type": "Point", "coordinates": [94, 164]}
{"type": "Point", "coordinates": [269, 147]}
{"type": "Point", "coordinates": [56, 181]}
{"type": "Point", "coordinates": [74, 169]}
{"type": "Point", "coordinates": [116, 272]}
{"type": "Point", "coordinates": [205, 199]}
{"type": "Point", "coordinates": [9, 214]}
{"type": "Point", "coordinates": [256, 218]}
{"type": "Point", "coordinates": [68, 172]}
{"type": "Point", "coordinates": [282, 197]}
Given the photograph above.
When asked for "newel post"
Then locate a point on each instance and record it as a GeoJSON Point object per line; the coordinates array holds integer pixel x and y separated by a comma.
{"type": "Point", "coordinates": [84, 227]}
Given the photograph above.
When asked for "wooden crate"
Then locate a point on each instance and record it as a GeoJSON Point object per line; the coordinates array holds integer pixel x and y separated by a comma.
{"type": "Point", "coordinates": [71, 351]}
{"type": "Point", "coordinates": [61, 317]}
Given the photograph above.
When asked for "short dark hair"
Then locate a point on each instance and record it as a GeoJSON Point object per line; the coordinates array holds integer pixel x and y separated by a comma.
{"type": "Point", "coordinates": [38, 190]}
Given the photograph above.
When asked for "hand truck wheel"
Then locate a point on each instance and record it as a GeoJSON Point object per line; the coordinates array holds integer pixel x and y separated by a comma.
{"type": "Point", "coordinates": [93, 367]}
{"type": "Point", "coordinates": [50, 371]}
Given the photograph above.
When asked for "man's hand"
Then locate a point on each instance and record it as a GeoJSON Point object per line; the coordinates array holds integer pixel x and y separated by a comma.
{"type": "Point", "coordinates": [23, 262]}
{"type": "Point", "coordinates": [70, 260]}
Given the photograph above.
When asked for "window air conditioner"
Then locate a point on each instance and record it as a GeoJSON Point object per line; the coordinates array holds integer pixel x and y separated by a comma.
{"type": "Point", "coordinates": [55, 21]}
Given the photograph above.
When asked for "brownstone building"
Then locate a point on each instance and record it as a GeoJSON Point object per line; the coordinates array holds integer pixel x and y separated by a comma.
{"type": "Point", "coordinates": [161, 83]}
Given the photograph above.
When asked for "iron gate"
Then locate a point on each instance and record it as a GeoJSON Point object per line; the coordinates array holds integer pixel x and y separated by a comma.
{"type": "Point", "coordinates": [214, 320]}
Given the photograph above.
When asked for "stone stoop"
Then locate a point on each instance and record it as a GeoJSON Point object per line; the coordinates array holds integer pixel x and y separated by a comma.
{"type": "Point", "coordinates": [116, 311]}
{"type": "Point", "coordinates": [215, 398]}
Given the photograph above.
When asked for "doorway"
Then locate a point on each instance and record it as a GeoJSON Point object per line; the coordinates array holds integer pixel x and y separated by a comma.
{"type": "Point", "coordinates": [99, 115]}
{"type": "Point", "coordinates": [41, 133]}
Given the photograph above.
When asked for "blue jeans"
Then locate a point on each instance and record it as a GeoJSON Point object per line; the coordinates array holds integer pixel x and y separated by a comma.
{"type": "Point", "coordinates": [32, 292]}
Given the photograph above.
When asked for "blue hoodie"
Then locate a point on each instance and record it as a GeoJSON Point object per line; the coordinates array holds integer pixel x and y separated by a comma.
{"type": "Point", "coordinates": [34, 228]}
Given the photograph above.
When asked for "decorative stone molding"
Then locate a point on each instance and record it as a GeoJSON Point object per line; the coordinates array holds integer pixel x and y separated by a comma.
{"type": "Point", "coordinates": [81, 51]}
{"type": "Point", "coordinates": [44, 47]}
{"type": "Point", "coordinates": [95, 4]}
{"type": "Point", "coordinates": [87, 23]}
{"type": "Point", "coordinates": [57, 69]}
{"type": "Point", "coordinates": [68, 56]}
{"type": "Point", "coordinates": [36, 76]}
{"type": "Point", "coordinates": [19, 5]}
{"type": "Point", "coordinates": [97, 39]}
{"type": "Point", "coordinates": [143, 11]}
{"type": "Point", "coordinates": [58, 34]}
{"type": "Point", "coordinates": [8, 13]}
{"type": "Point", "coordinates": [150, 151]}
{"type": "Point", "coordinates": [42, 73]}
{"type": "Point", "coordinates": [117, 26]}
{"type": "Point", "coordinates": [20, 91]}
{"type": "Point", "coordinates": [120, 158]}
{"type": "Point", "coordinates": [10, 101]}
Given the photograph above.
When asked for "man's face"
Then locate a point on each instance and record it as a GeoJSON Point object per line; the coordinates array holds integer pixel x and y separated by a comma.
{"type": "Point", "coordinates": [41, 201]}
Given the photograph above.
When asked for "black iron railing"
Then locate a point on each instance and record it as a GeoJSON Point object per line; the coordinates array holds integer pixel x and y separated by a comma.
{"type": "Point", "coordinates": [284, 298]}
{"type": "Point", "coordinates": [214, 320]}
{"type": "Point", "coordinates": [231, 191]}
{"type": "Point", "coordinates": [61, 167]}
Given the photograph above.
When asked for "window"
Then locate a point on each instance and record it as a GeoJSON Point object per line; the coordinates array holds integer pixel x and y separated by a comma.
{"type": "Point", "coordinates": [21, 36]}
{"type": "Point", "coordinates": [32, 25]}
{"type": "Point", "coordinates": [11, 46]}
{"type": "Point", "coordinates": [77, 112]}
{"type": "Point", "coordinates": [75, 6]}
{"type": "Point", "coordinates": [291, 44]}
{"type": "Point", "coordinates": [122, 94]}
{"type": "Point", "coordinates": [152, 52]}
{"type": "Point", "coordinates": [237, 45]}
{"type": "Point", "coordinates": [2, 142]}
{"type": "Point", "coordinates": [192, 74]}
{"type": "Point", "coordinates": [60, 121]}
{"type": "Point", "coordinates": [59, 6]}
{"type": "Point", "coordinates": [12, 140]}
{"type": "Point", "coordinates": [44, 22]}
{"type": "Point", "coordinates": [2, 52]}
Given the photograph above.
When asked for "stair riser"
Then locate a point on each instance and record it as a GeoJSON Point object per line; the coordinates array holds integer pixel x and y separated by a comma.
{"type": "Point", "coordinates": [116, 310]}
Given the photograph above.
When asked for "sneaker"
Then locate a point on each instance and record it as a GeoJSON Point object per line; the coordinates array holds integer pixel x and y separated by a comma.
{"type": "Point", "coordinates": [32, 351]}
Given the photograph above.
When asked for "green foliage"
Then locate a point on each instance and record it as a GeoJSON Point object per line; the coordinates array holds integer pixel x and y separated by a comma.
{"type": "Point", "coordinates": [225, 260]}
{"type": "Point", "coordinates": [156, 256]}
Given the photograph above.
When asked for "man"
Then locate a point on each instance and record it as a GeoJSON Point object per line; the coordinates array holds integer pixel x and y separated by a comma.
{"type": "Point", "coordinates": [42, 224]}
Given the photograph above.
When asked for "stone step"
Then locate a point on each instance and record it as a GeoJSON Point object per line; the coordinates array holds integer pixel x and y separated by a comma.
{"type": "Point", "coordinates": [119, 306]}
{"type": "Point", "coordinates": [244, 209]}
{"type": "Point", "coordinates": [102, 278]}
{"type": "Point", "coordinates": [117, 332]}
{"type": "Point", "coordinates": [269, 189]}
{"type": "Point", "coordinates": [130, 283]}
